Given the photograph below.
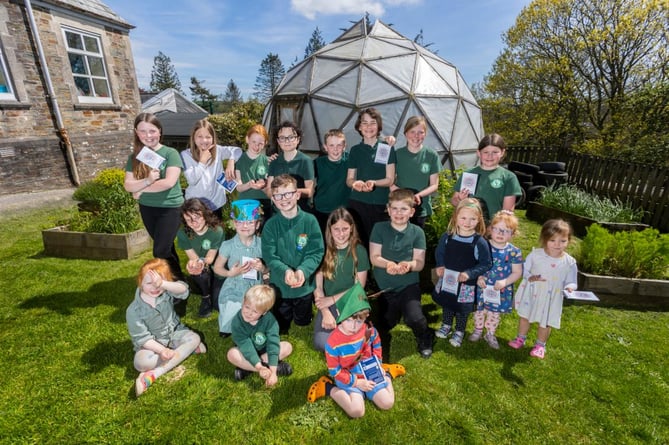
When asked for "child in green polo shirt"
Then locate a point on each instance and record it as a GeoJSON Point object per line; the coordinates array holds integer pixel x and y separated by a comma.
{"type": "Point", "coordinates": [397, 252]}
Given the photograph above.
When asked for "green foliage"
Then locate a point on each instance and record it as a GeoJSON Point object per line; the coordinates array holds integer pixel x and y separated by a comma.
{"type": "Point", "coordinates": [643, 254]}
{"type": "Point", "coordinates": [436, 225]}
{"type": "Point", "coordinates": [231, 127]}
{"type": "Point", "coordinates": [570, 198]}
{"type": "Point", "coordinates": [579, 70]}
{"type": "Point", "coordinates": [105, 206]}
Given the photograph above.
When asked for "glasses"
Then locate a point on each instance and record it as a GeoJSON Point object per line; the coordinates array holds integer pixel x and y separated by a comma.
{"type": "Point", "coordinates": [282, 196]}
{"type": "Point", "coordinates": [244, 223]}
{"type": "Point", "coordinates": [286, 138]}
{"type": "Point", "coordinates": [501, 231]}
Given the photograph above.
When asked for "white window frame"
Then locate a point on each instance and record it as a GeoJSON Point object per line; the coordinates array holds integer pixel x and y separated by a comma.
{"type": "Point", "coordinates": [9, 94]}
{"type": "Point", "coordinates": [105, 97]}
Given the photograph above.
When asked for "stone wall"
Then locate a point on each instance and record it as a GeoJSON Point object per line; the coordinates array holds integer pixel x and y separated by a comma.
{"type": "Point", "coordinates": [32, 157]}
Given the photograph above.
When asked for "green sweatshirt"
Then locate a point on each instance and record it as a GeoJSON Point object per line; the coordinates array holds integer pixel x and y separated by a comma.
{"type": "Point", "coordinates": [295, 244]}
{"type": "Point", "coordinates": [253, 340]}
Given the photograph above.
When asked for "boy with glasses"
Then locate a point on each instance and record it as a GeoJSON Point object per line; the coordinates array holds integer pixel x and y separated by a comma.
{"type": "Point", "coordinates": [292, 248]}
{"type": "Point", "coordinates": [293, 162]}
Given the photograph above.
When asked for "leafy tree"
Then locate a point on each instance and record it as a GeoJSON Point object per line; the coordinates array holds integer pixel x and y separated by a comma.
{"type": "Point", "coordinates": [316, 42]}
{"type": "Point", "coordinates": [163, 74]}
{"type": "Point", "coordinates": [420, 39]}
{"type": "Point", "coordinates": [199, 92]}
{"type": "Point", "coordinates": [571, 66]}
{"type": "Point", "coordinates": [231, 126]}
{"type": "Point", "coordinates": [269, 76]}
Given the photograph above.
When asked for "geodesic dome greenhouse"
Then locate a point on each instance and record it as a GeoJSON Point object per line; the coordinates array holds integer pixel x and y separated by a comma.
{"type": "Point", "coordinates": [385, 70]}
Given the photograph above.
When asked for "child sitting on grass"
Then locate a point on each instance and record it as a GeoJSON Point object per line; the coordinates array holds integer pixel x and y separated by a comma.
{"type": "Point", "coordinates": [351, 343]}
{"type": "Point", "coordinates": [255, 333]}
{"type": "Point", "coordinates": [161, 342]}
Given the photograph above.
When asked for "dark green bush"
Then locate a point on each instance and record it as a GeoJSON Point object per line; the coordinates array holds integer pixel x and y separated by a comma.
{"type": "Point", "coordinates": [643, 254]}
{"type": "Point", "coordinates": [105, 206]}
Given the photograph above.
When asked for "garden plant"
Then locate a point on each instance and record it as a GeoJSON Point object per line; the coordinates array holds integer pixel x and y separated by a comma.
{"type": "Point", "coordinates": [68, 374]}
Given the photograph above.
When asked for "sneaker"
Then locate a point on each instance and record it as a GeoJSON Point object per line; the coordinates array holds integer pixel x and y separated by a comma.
{"type": "Point", "coordinates": [456, 340]}
{"type": "Point", "coordinates": [491, 340]}
{"type": "Point", "coordinates": [143, 382]}
{"type": "Point", "coordinates": [284, 368]}
{"type": "Point", "coordinates": [443, 331]}
{"type": "Point", "coordinates": [205, 308]}
{"type": "Point", "coordinates": [241, 374]}
{"type": "Point", "coordinates": [318, 389]}
{"type": "Point", "coordinates": [476, 336]}
{"type": "Point", "coordinates": [517, 343]}
{"type": "Point", "coordinates": [425, 344]}
{"type": "Point", "coordinates": [394, 369]}
{"type": "Point", "coordinates": [224, 334]}
{"type": "Point", "coordinates": [538, 351]}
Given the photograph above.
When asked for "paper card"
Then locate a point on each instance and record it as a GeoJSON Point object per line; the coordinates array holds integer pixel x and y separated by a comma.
{"type": "Point", "coordinates": [382, 153]}
{"type": "Point", "coordinates": [449, 282]}
{"type": "Point", "coordinates": [469, 181]}
{"type": "Point", "coordinates": [228, 184]}
{"type": "Point", "coordinates": [252, 274]}
{"type": "Point", "coordinates": [150, 158]}
{"type": "Point", "coordinates": [491, 295]}
{"type": "Point", "coordinates": [581, 295]}
{"type": "Point", "coordinates": [371, 368]}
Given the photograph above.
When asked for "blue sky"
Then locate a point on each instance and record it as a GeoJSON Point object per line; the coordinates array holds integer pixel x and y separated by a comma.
{"type": "Point", "coordinates": [219, 40]}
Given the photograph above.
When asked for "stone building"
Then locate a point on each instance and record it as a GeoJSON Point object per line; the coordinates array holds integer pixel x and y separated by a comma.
{"type": "Point", "coordinates": [68, 92]}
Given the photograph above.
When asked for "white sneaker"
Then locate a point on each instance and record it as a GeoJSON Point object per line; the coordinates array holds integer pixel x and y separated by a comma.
{"type": "Point", "coordinates": [476, 336]}
{"type": "Point", "coordinates": [456, 340]}
{"type": "Point", "coordinates": [443, 331]}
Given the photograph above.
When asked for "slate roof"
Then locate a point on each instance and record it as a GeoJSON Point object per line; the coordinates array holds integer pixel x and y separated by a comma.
{"type": "Point", "coordinates": [91, 7]}
{"type": "Point", "coordinates": [177, 114]}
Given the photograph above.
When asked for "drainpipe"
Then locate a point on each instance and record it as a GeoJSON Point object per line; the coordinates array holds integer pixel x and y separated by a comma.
{"type": "Point", "coordinates": [62, 131]}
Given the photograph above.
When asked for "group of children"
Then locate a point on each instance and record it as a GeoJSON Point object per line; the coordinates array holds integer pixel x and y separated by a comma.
{"type": "Point", "coordinates": [329, 267]}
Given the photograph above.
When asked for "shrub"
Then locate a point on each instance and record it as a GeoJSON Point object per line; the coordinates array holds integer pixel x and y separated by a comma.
{"type": "Point", "coordinates": [643, 254]}
{"type": "Point", "coordinates": [105, 206]}
{"type": "Point", "coordinates": [442, 209]}
{"type": "Point", "coordinates": [570, 198]}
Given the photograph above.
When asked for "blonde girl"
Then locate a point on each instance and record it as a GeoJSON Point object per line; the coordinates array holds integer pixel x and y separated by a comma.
{"type": "Point", "coordinates": [345, 263]}
{"type": "Point", "coordinates": [548, 272]}
{"type": "Point", "coordinates": [462, 255]}
{"type": "Point", "coordinates": [496, 285]}
{"type": "Point", "coordinates": [203, 166]}
{"type": "Point", "coordinates": [160, 341]}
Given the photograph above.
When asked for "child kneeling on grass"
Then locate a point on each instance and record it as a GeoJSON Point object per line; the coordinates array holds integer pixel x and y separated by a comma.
{"type": "Point", "coordinates": [160, 341]}
{"type": "Point", "coordinates": [255, 333]}
{"type": "Point", "coordinates": [348, 349]}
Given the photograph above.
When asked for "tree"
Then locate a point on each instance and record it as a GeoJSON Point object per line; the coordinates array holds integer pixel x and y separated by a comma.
{"type": "Point", "coordinates": [269, 76]}
{"type": "Point", "coordinates": [316, 42]}
{"type": "Point", "coordinates": [231, 126]}
{"type": "Point", "coordinates": [163, 74]}
{"type": "Point", "coordinates": [232, 94]}
{"type": "Point", "coordinates": [199, 92]}
{"type": "Point", "coordinates": [570, 67]}
{"type": "Point", "coordinates": [420, 39]}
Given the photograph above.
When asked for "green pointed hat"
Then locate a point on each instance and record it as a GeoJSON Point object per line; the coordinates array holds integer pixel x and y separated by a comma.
{"type": "Point", "coordinates": [354, 300]}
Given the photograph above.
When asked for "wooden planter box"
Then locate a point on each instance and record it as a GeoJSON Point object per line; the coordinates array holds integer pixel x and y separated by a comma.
{"type": "Point", "coordinates": [540, 213]}
{"type": "Point", "coordinates": [628, 291]}
{"type": "Point", "coordinates": [60, 242]}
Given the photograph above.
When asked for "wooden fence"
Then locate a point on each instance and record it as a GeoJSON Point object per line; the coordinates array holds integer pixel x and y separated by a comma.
{"type": "Point", "coordinates": [644, 186]}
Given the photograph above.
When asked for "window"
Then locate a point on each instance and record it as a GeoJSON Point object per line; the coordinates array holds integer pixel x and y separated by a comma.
{"type": "Point", "coordinates": [6, 90]}
{"type": "Point", "coordinates": [88, 66]}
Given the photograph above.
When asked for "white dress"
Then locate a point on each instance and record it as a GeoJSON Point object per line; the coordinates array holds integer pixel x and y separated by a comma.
{"type": "Point", "coordinates": [541, 301]}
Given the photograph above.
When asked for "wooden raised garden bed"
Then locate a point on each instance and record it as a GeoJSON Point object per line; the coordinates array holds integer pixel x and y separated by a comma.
{"type": "Point", "coordinates": [60, 242]}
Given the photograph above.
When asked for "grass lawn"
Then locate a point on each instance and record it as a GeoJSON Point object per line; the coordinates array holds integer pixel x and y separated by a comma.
{"type": "Point", "coordinates": [68, 375]}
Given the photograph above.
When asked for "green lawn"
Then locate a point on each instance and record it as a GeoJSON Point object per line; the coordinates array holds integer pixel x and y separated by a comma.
{"type": "Point", "coordinates": [68, 376]}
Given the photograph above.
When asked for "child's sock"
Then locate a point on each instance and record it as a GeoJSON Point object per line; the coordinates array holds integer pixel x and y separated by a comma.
{"type": "Point", "coordinates": [540, 343]}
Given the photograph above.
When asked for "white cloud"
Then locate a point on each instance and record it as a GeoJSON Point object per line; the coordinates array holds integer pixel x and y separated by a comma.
{"type": "Point", "coordinates": [309, 8]}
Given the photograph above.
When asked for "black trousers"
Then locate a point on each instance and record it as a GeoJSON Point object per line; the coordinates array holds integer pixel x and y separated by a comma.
{"type": "Point", "coordinates": [162, 224]}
